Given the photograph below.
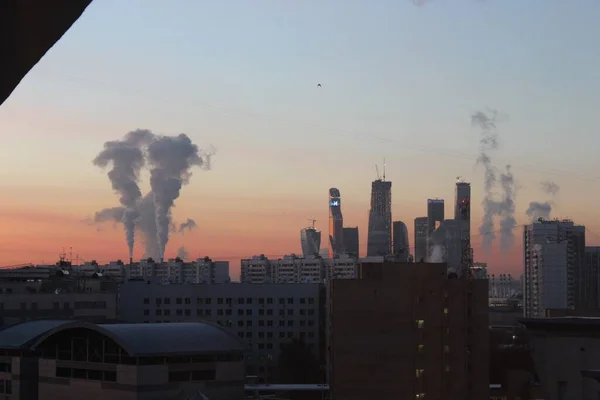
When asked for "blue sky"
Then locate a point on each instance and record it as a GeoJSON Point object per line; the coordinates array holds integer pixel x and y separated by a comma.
{"type": "Point", "coordinates": [242, 75]}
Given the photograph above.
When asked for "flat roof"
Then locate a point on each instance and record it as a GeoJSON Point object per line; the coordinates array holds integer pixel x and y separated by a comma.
{"type": "Point", "coordinates": [138, 340]}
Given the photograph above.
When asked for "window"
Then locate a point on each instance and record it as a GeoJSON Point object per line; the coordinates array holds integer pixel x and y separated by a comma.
{"type": "Point", "coordinates": [302, 300]}
{"type": "Point", "coordinates": [219, 311]}
{"type": "Point", "coordinates": [311, 300]}
{"type": "Point", "coordinates": [249, 322]}
{"type": "Point", "coordinates": [200, 300]}
{"type": "Point", "coordinates": [199, 313]}
{"type": "Point", "coordinates": [249, 311]}
{"type": "Point", "coordinates": [420, 372]}
{"type": "Point", "coordinates": [188, 300]}
{"type": "Point", "coordinates": [445, 310]}
{"type": "Point", "coordinates": [281, 322]}
{"type": "Point", "coordinates": [220, 300]}
{"type": "Point", "coordinates": [420, 323]}
{"type": "Point", "coordinates": [146, 300]}
{"type": "Point", "coordinates": [261, 312]}
{"type": "Point", "coordinates": [261, 300]}
{"type": "Point", "coordinates": [146, 312]}
{"type": "Point", "coordinates": [248, 300]}
{"type": "Point", "coordinates": [208, 301]}
{"type": "Point", "coordinates": [421, 348]}
{"type": "Point", "coordinates": [290, 300]}
{"type": "Point", "coordinates": [446, 349]}
{"type": "Point", "coordinates": [281, 300]}
{"type": "Point", "coordinates": [179, 312]}
{"type": "Point", "coordinates": [290, 311]}
{"type": "Point", "coordinates": [270, 300]}
{"type": "Point", "coordinates": [178, 300]}
{"type": "Point", "coordinates": [420, 396]}
{"type": "Point", "coordinates": [167, 300]}
{"type": "Point", "coordinates": [240, 311]}
{"type": "Point", "coordinates": [167, 313]}
{"type": "Point", "coordinates": [290, 322]}
{"type": "Point", "coordinates": [187, 313]}
{"type": "Point", "coordinates": [240, 300]}
{"type": "Point", "coordinates": [158, 312]}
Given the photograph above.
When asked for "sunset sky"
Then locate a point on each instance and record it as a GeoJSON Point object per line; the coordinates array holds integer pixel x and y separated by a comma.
{"type": "Point", "coordinates": [399, 82]}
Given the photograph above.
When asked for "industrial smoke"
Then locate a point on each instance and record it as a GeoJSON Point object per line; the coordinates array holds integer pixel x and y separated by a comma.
{"type": "Point", "coordinates": [182, 253]}
{"type": "Point", "coordinates": [170, 160]}
{"type": "Point", "coordinates": [502, 206]}
{"type": "Point", "coordinates": [189, 225]}
{"type": "Point", "coordinates": [538, 209]}
{"type": "Point", "coordinates": [436, 254]}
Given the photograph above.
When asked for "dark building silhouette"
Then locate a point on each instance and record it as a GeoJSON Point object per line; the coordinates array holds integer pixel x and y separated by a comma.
{"type": "Point", "coordinates": [336, 222]}
{"type": "Point", "coordinates": [420, 239]}
{"type": "Point", "coordinates": [29, 28]}
{"type": "Point", "coordinates": [401, 246]}
{"type": "Point", "coordinates": [407, 331]}
{"type": "Point", "coordinates": [379, 236]}
{"type": "Point", "coordinates": [351, 241]}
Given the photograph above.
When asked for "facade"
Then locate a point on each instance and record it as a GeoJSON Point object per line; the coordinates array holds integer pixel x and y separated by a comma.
{"type": "Point", "coordinates": [294, 269]}
{"type": "Point", "coordinates": [401, 246]}
{"type": "Point", "coordinates": [554, 262]}
{"type": "Point", "coordinates": [203, 270]}
{"type": "Point", "coordinates": [379, 236]}
{"type": "Point", "coordinates": [263, 315]}
{"type": "Point", "coordinates": [351, 242]}
{"type": "Point", "coordinates": [310, 240]}
{"type": "Point", "coordinates": [407, 331]}
{"type": "Point", "coordinates": [590, 287]}
{"type": "Point", "coordinates": [565, 353]}
{"type": "Point", "coordinates": [30, 294]}
{"type": "Point", "coordinates": [420, 239]}
{"type": "Point", "coordinates": [51, 359]}
{"type": "Point", "coordinates": [435, 217]}
{"type": "Point", "coordinates": [336, 223]}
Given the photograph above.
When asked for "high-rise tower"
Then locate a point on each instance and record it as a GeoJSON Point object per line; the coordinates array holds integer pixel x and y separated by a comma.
{"type": "Point", "coordinates": [401, 249]}
{"type": "Point", "coordinates": [462, 214]}
{"type": "Point", "coordinates": [336, 222]}
{"type": "Point", "coordinates": [351, 242]}
{"type": "Point", "coordinates": [379, 237]}
{"type": "Point", "coordinates": [310, 240]}
{"type": "Point", "coordinates": [420, 239]}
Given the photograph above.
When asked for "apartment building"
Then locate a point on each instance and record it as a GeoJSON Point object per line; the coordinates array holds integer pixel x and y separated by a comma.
{"type": "Point", "coordinates": [407, 331]}
{"type": "Point", "coordinates": [203, 270]}
{"type": "Point", "coordinates": [263, 315]}
{"type": "Point", "coordinates": [295, 269]}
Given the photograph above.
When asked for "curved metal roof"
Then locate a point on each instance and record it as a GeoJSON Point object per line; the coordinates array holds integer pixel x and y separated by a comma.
{"type": "Point", "coordinates": [137, 340]}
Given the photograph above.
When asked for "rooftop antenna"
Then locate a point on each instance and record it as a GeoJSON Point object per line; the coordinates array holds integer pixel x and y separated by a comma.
{"type": "Point", "coordinates": [384, 168]}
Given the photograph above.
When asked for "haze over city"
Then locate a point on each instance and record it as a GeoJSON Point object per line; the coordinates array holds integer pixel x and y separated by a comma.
{"type": "Point", "coordinates": [240, 80]}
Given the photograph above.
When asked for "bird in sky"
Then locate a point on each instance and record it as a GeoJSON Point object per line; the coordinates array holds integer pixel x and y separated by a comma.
{"type": "Point", "coordinates": [319, 85]}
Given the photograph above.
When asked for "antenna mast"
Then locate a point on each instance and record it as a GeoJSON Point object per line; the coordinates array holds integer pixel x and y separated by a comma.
{"type": "Point", "coordinates": [384, 168]}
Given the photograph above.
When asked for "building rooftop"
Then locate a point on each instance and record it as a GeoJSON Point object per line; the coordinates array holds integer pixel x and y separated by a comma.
{"type": "Point", "coordinates": [138, 340]}
{"type": "Point", "coordinates": [580, 325]}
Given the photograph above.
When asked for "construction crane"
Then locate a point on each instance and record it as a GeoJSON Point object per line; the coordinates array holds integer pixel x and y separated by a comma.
{"type": "Point", "coordinates": [313, 222]}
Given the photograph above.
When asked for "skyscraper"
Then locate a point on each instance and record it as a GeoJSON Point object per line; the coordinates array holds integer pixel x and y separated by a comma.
{"type": "Point", "coordinates": [462, 214]}
{"type": "Point", "coordinates": [310, 239]}
{"type": "Point", "coordinates": [351, 242]}
{"type": "Point", "coordinates": [420, 239]}
{"type": "Point", "coordinates": [379, 237]}
{"type": "Point", "coordinates": [336, 223]}
{"type": "Point", "coordinates": [435, 217]}
{"type": "Point", "coordinates": [554, 258]}
{"type": "Point", "coordinates": [401, 248]}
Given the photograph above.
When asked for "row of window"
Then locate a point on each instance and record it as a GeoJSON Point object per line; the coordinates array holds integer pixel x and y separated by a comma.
{"type": "Point", "coordinates": [228, 312]}
{"type": "Point", "coordinates": [282, 335]}
{"type": "Point", "coordinates": [78, 305]}
{"type": "Point", "coordinates": [230, 300]}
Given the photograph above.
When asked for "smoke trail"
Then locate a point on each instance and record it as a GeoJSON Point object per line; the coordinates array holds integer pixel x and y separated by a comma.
{"type": "Point", "coordinates": [146, 224]}
{"type": "Point", "coordinates": [182, 253]}
{"type": "Point", "coordinates": [506, 209]}
{"type": "Point", "coordinates": [488, 141]}
{"type": "Point", "coordinates": [550, 187]}
{"type": "Point", "coordinates": [543, 210]}
{"type": "Point", "coordinates": [539, 210]}
{"type": "Point", "coordinates": [114, 214]}
{"type": "Point", "coordinates": [189, 225]}
{"type": "Point", "coordinates": [171, 159]}
{"type": "Point", "coordinates": [436, 254]}
{"type": "Point", "coordinates": [127, 159]}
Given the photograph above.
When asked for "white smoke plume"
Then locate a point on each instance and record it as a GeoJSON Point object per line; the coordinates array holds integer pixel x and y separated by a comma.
{"type": "Point", "coordinates": [436, 254]}
{"type": "Point", "coordinates": [189, 225]}
{"type": "Point", "coordinates": [170, 159]}
{"type": "Point", "coordinates": [504, 207]}
{"type": "Point", "coordinates": [127, 159]}
{"type": "Point", "coordinates": [543, 210]}
{"type": "Point", "coordinates": [182, 253]}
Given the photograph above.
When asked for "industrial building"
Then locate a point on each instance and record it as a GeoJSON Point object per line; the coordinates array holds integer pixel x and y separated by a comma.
{"type": "Point", "coordinates": [263, 315]}
{"type": "Point", "coordinates": [408, 331]}
{"type": "Point", "coordinates": [554, 263]}
{"type": "Point", "coordinates": [53, 359]}
{"type": "Point", "coordinates": [294, 269]}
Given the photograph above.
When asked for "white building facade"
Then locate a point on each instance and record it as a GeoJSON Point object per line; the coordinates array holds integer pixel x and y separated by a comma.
{"type": "Point", "coordinates": [294, 269]}
{"type": "Point", "coordinates": [203, 270]}
{"type": "Point", "coordinates": [551, 265]}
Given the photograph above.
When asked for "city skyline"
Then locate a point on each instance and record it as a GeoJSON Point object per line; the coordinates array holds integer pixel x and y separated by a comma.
{"type": "Point", "coordinates": [254, 97]}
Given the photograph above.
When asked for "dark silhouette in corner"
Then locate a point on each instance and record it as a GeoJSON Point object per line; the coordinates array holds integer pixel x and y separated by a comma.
{"type": "Point", "coordinates": [29, 28]}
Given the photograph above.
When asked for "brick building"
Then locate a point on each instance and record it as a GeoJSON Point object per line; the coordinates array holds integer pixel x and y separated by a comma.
{"type": "Point", "coordinates": [407, 331]}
